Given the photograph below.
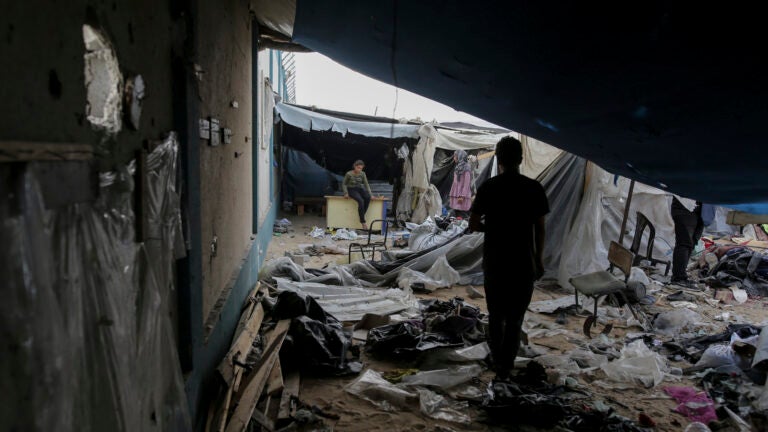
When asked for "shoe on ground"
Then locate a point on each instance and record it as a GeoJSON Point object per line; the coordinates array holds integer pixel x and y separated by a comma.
{"type": "Point", "coordinates": [686, 283]}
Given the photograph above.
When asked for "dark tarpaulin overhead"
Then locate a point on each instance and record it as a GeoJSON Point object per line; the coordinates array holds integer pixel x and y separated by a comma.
{"type": "Point", "coordinates": [337, 152]}
{"type": "Point", "coordinates": [671, 94]}
{"type": "Point", "coordinates": [303, 177]}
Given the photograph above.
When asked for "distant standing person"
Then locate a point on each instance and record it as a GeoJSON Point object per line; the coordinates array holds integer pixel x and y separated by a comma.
{"type": "Point", "coordinates": [510, 209]}
{"type": "Point", "coordinates": [355, 186]}
{"type": "Point", "coordinates": [689, 225]}
{"type": "Point", "coordinates": [461, 189]}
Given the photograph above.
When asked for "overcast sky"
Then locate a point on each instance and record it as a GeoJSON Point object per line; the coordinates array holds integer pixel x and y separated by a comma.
{"type": "Point", "coordinates": [326, 84]}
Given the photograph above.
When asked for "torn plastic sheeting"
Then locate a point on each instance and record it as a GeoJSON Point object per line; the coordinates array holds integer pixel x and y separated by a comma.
{"type": "Point", "coordinates": [316, 232]}
{"type": "Point", "coordinates": [345, 234]}
{"type": "Point", "coordinates": [637, 364]}
{"type": "Point", "coordinates": [427, 234]}
{"type": "Point", "coordinates": [283, 267]}
{"type": "Point", "coordinates": [586, 359]}
{"type": "Point", "coordinates": [675, 322]}
{"type": "Point", "coordinates": [380, 392]}
{"type": "Point", "coordinates": [337, 275]}
{"type": "Point", "coordinates": [560, 303]}
{"type": "Point", "coordinates": [440, 275]}
{"type": "Point", "coordinates": [320, 348]}
{"type": "Point", "coordinates": [559, 367]}
{"type": "Point", "coordinates": [743, 331]}
{"type": "Point", "coordinates": [390, 397]}
{"type": "Point", "coordinates": [694, 404]}
{"type": "Point", "coordinates": [464, 254]}
{"type": "Point", "coordinates": [164, 241]}
{"type": "Point", "coordinates": [293, 304]}
{"type": "Point", "coordinates": [352, 303]}
{"type": "Point", "coordinates": [717, 355]}
{"type": "Point", "coordinates": [101, 336]}
{"type": "Point", "coordinates": [439, 407]}
{"type": "Point", "coordinates": [444, 378]}
{"type": "Point", "coordinates": [407, 338]}
{"type": "Point", "coordinates": [454, 306]}
{"type": "Point", "coordinates": [471, 353]}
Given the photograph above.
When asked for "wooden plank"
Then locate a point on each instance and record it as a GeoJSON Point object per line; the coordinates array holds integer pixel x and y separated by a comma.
{"type": "Point", "coordinates": [257, 380]}
{"type": "Point", "coordinates": [249, 307]}
{"type": "Point", "coordinates": [225, 408]}
{"type": "Point", "coordinates": [18, 151]}
{"type": "Point", "coordinates": [742, 218]}
{"type": "Point", "coordinates": [275, 382]}
{"type": "Point", "coordinates": [242, 345]}
{"type": "Point", "coordinates": [262, 419]}
{"type": "Point", "coordinates": [211, 416]}
{"type": "Point", "coordinates": [291, 386]}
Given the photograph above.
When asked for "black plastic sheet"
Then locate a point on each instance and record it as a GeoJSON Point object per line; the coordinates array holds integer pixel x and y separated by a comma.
{"type": "Point", "coordinates": [443, 324]}
{"type": "Point", "coordinates": [318, 348]}
{"type": "Point", "coordinates": [292, 304]}
{"type": "Point", "coordinates": [744, 267]}
{"type": "Point", "coordinates": [316, 342]}
{"type": "Point", "coordinates": [528, 400]}
{"type": "Point", "coordinates": [407, 339]}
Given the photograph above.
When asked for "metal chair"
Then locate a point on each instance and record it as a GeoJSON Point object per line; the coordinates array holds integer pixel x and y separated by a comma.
{"type": "Point", "coordinates": [370, 246]}
{"type": "Point", "coordinates": [640, 226]}
{"type": "Point", "coordinates": [599, 284]}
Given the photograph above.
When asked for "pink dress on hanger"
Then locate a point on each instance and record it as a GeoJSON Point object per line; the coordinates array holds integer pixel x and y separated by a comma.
{"type": "Point", "coordinates": [461, 188]}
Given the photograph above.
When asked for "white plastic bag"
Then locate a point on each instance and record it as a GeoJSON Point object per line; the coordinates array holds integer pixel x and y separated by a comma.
{"type": "Point", "coordinates": [380, 392]}
{"type": "Point", "coordinates": [443, 378]}
{"type": "Point", "coordinates": [637, 364]}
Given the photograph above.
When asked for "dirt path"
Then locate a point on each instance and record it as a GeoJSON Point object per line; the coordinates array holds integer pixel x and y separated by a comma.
{"type": "Point", "coordinates": [360, 415]}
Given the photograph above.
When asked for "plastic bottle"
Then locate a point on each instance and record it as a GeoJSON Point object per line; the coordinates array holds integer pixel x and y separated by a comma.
{"type": "Point", "coordinates": [697, 427]}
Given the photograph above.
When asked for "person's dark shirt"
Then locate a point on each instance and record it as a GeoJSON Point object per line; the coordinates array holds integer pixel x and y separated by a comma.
{"type": "Point", "coordinates": [511, 204]}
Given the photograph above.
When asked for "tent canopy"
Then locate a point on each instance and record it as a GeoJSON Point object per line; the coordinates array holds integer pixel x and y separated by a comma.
{"type": "Point", "coordinates": [671, 94]}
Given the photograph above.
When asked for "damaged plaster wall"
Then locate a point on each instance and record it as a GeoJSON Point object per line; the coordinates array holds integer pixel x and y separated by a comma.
{"type": "Point", "coordinates": [47, 98]}
{"type": "Point", "coordinates": [224, 50]}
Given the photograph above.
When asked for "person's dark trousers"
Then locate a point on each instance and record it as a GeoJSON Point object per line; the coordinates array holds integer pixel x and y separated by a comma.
{"type": "Point", "coordinates": [688, 229]}
{"type": "Point", "coordinates": [363, 199]}
{"type": "Point", "coordinates": [507, 298]}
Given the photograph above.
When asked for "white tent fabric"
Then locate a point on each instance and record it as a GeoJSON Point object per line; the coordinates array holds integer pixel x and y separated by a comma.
{"type": "Point", "coordinates": [423, 159]}
{"type": "Point", "coordinates": [457, 140]}
{"type": "Point", "coordinates": [598, 222]}
{"type": "Point", "coordinates": [536, 156]}
{"type": "Point", "coordinates": [314, 121]}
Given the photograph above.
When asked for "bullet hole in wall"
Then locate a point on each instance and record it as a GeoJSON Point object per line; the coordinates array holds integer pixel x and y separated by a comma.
{"type": "Point", "coordinates": [54, 84]}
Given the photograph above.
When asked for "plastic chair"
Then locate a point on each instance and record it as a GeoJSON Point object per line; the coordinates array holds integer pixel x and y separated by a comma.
{"type": "Point", "coordinates": [603, 283]}
{"type": "Point", "coordinates": [370, 246]}
{"type": "Point", "coordinates": [640, 226]}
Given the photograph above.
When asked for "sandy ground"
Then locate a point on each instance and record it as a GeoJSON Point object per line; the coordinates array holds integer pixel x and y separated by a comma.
{"type": "Point", "coordinates": [360, 415]}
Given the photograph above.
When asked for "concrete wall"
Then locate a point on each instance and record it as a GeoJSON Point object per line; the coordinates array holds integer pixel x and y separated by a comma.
{"type": "Point", "coordinates": [42, 94]}
{"type": "Point", "coordinates": [224, 47]}
{"type": "Point", "coordinates": [243, 228]}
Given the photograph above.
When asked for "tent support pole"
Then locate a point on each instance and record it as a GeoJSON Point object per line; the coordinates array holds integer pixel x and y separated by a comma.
{"type": "Point", "coordinates": [626, 212]}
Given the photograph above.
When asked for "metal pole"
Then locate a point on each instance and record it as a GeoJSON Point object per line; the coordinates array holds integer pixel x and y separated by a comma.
{"type": "Point", "coordinates": [626, 212]}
